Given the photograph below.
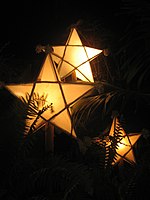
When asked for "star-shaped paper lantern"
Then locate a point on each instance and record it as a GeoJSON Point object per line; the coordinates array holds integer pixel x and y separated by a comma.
{"type": "Point", "coordinates": [75, 57]}
{"type": "Point", "coordinates": [125, 144]}
{"type": "Point", "coordinates": [61, 95]}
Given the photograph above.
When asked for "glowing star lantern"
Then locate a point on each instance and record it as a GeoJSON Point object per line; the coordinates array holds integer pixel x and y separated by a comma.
{"type": "Point", "coordinates": [75, 57]}
{"type": "Point", "coordinates": [60, 95]}
{"type": "Point", "coordinates": [126, 143]}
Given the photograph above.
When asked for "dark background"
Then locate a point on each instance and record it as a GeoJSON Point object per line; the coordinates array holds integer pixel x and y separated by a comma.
{"type": "Point", "coordinates": [24, 24]}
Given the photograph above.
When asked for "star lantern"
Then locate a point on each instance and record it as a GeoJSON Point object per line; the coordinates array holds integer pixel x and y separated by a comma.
{"type": "Point", "coordinates": [75, 57]}
{"type": "Point", "coordinates": [125, 143]}
{"type": "Point", "coordinates": [61, 95]}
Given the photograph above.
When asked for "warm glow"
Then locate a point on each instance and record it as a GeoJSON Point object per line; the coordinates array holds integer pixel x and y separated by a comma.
{"type": "Point", "coordinates": [60, 94]}
{"type": "Point", "coordinates": [121, 144]}
{"type": "Point", "coordinates": [125, 145]}
{"type": "Point", "coordinates": [74, 56]}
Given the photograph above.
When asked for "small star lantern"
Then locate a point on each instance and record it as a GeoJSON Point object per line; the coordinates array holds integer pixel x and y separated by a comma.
{"type": "Point", "coordinates": [125, 143]}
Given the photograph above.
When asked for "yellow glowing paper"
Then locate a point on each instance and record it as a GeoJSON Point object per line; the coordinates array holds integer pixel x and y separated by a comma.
{"type": "Point", "coordinates": [125, 145]}
{"type": "Point", "coordinates": [74, 56]}
{"type": "Point", "coordinates": [61, 95]}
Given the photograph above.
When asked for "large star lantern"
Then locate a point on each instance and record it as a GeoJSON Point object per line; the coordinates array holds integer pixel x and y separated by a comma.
{"type": "Point", "coordinates": [75, 57]}
{"type": "Point", "coordinates": [61, 95]}
{"type": "Point", "coordinates": [125, 143]}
